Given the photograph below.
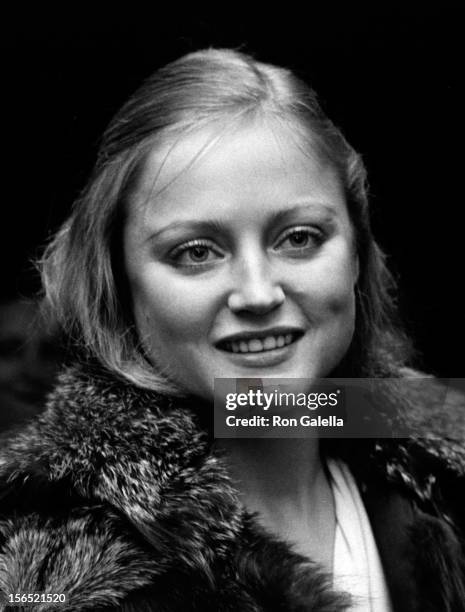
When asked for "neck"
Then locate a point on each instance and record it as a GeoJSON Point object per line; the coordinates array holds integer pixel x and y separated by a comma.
{"type": "Point", "coordinates": [274, 469]}
{"type": "Point", "coordinates": [285, 483]}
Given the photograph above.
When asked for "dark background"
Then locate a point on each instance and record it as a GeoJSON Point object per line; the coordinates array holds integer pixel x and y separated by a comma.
{"type": "Point", "coordinates": [387, 75]}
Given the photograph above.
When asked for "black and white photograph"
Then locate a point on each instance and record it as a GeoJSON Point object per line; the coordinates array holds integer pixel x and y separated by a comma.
{"type": "Point", "coordinates": [231, 332]}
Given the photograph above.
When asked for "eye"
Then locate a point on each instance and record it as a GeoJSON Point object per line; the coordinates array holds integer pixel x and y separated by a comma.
{"type": "Point", "coordinates": [195, 253]}
{"type": "Point", "coordinates": [297, 240]}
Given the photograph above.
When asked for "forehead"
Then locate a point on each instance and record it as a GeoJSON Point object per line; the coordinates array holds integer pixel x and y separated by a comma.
{"type": "Point", "coordinates": [261, 165]}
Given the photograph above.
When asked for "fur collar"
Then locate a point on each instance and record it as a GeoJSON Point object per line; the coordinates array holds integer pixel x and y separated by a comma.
{"type": "Point", "coordinates": [136, 471]}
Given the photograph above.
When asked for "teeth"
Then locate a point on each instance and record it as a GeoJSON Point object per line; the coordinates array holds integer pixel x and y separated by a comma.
{"type": "Point", "coordinates": [257, 345]}
{"type": "Point", "coordinates": [269, 343]}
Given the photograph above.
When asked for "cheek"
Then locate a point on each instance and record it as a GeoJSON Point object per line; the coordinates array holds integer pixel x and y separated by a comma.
{"type": "Point", "coordinates": [340, 296]}
{"type": "Point", "coordinates": [329, 287]}
{"type": "Point", "coordinates": [172, 308]}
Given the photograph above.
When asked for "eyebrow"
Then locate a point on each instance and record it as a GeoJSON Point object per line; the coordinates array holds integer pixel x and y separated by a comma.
{"type": "Point", "coordinates": [210, 226]}
{"type": "Point", "coordinates": [217, 226]}
{"type": "Point", "coordinates": [328, 211]}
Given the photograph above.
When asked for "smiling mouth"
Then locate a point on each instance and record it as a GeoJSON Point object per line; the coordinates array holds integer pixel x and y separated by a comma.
{"type": "Point", "coordinates": [259, 344]}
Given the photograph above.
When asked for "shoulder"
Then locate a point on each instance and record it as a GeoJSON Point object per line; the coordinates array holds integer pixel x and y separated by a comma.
{"type": "Point", "coordinates": [423, 453]}
{"type": "Point", "coordinates": [94, 423]}
{"type": "Point", "coordinates": [110, 491]}
{"type": "Point", "coordinates": [74, 481]}
{"type": "Point", "coordinates": [96, 434]}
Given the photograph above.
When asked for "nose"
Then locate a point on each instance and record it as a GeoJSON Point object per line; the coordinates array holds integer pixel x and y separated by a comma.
{"type": "Point", "coordinates": [255, 290]}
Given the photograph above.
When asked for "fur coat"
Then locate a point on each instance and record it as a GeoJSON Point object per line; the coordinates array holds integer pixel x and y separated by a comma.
{"type": "Point", "coordinates": [114, 497]}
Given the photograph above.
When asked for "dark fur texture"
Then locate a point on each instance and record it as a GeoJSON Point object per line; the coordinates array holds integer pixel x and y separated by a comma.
{"type": "Point", "coordinates": [114, 497]}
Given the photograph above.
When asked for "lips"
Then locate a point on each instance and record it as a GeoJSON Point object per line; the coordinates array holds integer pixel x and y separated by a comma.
{"type": "Point", "coordinates": [259, 342]}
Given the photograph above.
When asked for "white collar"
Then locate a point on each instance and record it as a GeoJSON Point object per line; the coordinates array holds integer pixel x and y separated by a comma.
{"type": "Point", "coordinates": [357, 566]}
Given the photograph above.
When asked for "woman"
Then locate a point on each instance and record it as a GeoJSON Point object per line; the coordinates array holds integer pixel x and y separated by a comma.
{"type": "Point", "coordinates": [224, 233]}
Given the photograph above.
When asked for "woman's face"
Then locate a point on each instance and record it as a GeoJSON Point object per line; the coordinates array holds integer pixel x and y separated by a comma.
{"type": "Point", "coordinates": [240, 261]}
